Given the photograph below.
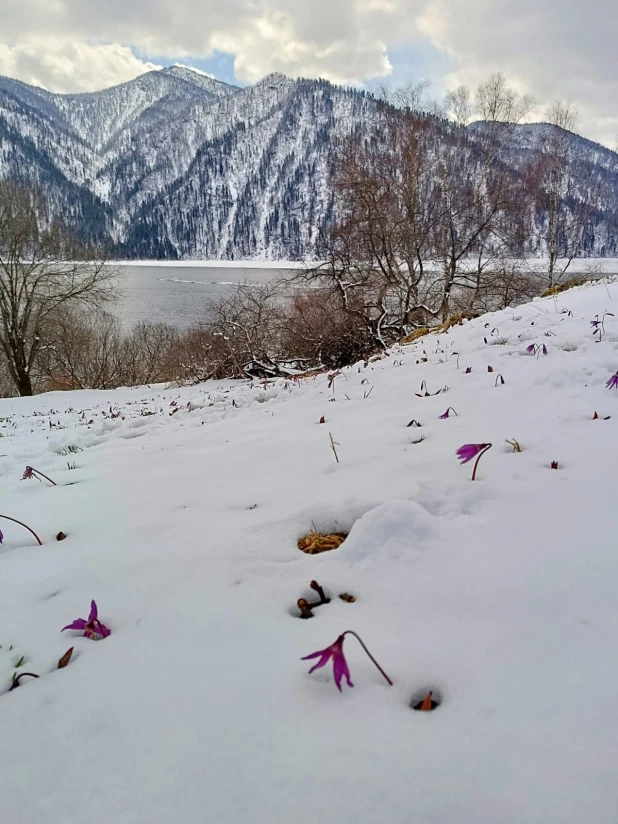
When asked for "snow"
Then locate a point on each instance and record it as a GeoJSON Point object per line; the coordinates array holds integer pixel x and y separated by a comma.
{"type": "Point", "coordinates": [499, 594]}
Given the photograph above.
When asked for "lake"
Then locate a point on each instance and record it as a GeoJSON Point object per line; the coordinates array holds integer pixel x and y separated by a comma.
{"type": "Point", "coordinates": [178, 294]}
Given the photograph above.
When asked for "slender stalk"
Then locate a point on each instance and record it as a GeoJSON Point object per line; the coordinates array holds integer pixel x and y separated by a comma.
{"type": "Point", "coordinates": [362, 643]}
{"type": "Point", "coordinates": [333, 445]}
{"type": "Point", "coordinates": [476, 462]}
{"type": "Point", "coordinates": [25, 526]}
{"type": "Point", "coordinates": [38, 472]}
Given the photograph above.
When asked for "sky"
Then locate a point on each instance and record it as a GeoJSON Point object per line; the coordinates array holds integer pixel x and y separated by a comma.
{"type": "Point", "coordinates": [555, 49]}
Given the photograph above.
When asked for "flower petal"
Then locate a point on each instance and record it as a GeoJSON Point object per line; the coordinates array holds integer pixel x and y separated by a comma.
{"type": "Point", "coordinates": [79, 623]}
{"type": "Point", "coordinates": [103, 631]}
{"type": "Point", "coordinates": [322, 662]}
{"type": "Point", "coordinates": [345, 671]}
{"type": "Point", "coordinates": [313, 655]}
{"type": "Point", "coordinates": [94, 612]}
{"type": "Point", "coordinates": [338, 662]}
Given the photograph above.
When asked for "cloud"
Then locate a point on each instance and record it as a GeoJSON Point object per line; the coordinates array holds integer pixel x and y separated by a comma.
{"type": "Point", "coordinates": [555, 49]}
{"type": "Point", "coordinates": [70, 66]}
{"type": "Point", "coordinates": [552, 48]}
{"type": "Point", "coordinates": [342, 40]}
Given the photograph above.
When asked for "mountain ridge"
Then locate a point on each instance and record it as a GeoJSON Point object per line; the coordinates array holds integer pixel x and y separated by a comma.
{"type": "Point", "coordinates": [177, 164]}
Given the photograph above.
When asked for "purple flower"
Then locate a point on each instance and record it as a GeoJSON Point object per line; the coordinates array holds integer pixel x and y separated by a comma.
{"type": "Point", "coordinates": [92, 627]}
{"type": "Point", "coordinates": [544, 349]}
{"type": "Point", "coordinates": [612, 383]}
{"type": "Point", "coordinates": [531, 349]}
{"type": "Point", "coordinates": [469, 451]}
{"type": "Point", "coordinates": [28, 473]}
{"type": "Point", "coordinates": [340, 666]}
{"type": "Point", "coordinates": [595, 323]}
{"type": "Point", "coordinates": [1, 536]}
{"type": "Point", "coordinates": [447, 413]}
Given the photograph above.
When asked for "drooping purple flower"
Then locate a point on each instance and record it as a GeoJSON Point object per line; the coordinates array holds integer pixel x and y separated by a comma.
{"type": "Point", "coordinates": [1, 536]}
{"type": "Point", "coordinates": [340, 665]}
{"type": "Point", "coordinates": [469, 451]}
{"type": "Point", "coordinates": [531, 349]}
{"type": "Point", "coordinates": [447, 413]}
{"type": "Point", "coordinates": [92, 627]}
{"type": "Point", "coordinates": [31, 472]}
{"type": "Point", "coordinates": [612, 383]}
{"type": "Point", "coordinates": [595, 324]}
{"type": "Point", "coordinates": [544, 349]}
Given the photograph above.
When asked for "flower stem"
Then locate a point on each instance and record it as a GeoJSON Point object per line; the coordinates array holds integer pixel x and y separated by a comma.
{"type": "Point", "coordinates": [476, 463]}
{"type": "Point", "coordinates": [38, 472]}
{"type": "Point", "coordinates": [362, 643]}
{"type": "Point", "coordinates": [25, 526]}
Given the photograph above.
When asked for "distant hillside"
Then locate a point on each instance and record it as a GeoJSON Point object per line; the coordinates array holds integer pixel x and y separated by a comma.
{"type": "Point", "coordinates": [177, 164]}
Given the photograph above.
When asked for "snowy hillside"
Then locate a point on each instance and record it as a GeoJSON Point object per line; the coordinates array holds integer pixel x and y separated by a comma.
{"type": "Point", "coordinates": [176, 164]}
{"type": "Point", "coordinates": [182, 510]}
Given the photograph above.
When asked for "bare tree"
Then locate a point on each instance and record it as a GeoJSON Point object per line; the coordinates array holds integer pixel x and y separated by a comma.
{"type": "Point", "coordinates": [564, 211]}
{"type": "Point", "coordinates": [499, 104]}
{"type": "Point", "coordinates": [378, 248]}
{"type": "Point", "coordinates": [412, 96]}
{"type": "Point", "coordinates": [458, 106]}
{"type": "Point", "coordinates": [478, 194]}
{"type": "Point", "coordinates": [90, 351]}
{"type": "Point", "coordinates": [41, 270]}
{"type": "Point", "coordinates": [87, 351]}
{"type": "Point", "coordinates": [247, 322]}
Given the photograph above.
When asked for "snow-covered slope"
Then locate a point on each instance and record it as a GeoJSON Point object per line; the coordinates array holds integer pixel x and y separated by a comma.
{"type": "Point", "coordinates": [201, 79]}
{"type": "Point", "coordinates": [182, 516]}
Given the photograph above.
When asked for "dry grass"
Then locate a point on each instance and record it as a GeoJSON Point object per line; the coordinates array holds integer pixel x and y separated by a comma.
{"type": "Point", "coordinates": [418, 333]}
{"type": "Point", "coordinates": [562, 287]}
{"type": "Point", "coordinates": [315, 542]}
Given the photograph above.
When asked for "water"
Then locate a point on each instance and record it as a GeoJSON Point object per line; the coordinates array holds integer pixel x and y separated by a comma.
{"type": "Point", "coordinates": [179, 294]}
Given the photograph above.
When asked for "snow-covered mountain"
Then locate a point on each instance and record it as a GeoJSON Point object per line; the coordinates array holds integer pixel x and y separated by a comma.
{"type": "Point", "coordinates": [177, 164]}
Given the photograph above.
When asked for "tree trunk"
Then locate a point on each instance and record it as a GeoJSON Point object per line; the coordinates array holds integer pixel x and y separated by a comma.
{"type": "Point", "coordinates": [24, 384]}
{"type": "Point", "coordinates": [21, 373]}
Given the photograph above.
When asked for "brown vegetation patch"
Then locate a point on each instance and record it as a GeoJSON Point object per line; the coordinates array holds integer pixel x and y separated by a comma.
{"type": "Point", "coordinates": [571, 283]}
{"type": "Point", "coordinates": [418, 333]}
{"type": "Point", "coordinates": [315, 542]}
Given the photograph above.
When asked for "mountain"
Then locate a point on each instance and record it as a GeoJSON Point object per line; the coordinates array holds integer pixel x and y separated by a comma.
{"type": "Point", "coordinates": [178, 164]}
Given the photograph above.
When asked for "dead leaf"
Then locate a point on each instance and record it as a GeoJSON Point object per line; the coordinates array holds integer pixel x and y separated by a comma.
{"type": "Point", "coordinates": [62, 663]}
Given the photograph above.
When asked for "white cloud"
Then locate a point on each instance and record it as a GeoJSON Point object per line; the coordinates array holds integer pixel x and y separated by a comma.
{"type": "Point", "coordinates": [555, 49]}
{"type": "Point", "coordinates": [552, 48]}
{"type": "Point", "coordinates": [70, 66]}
